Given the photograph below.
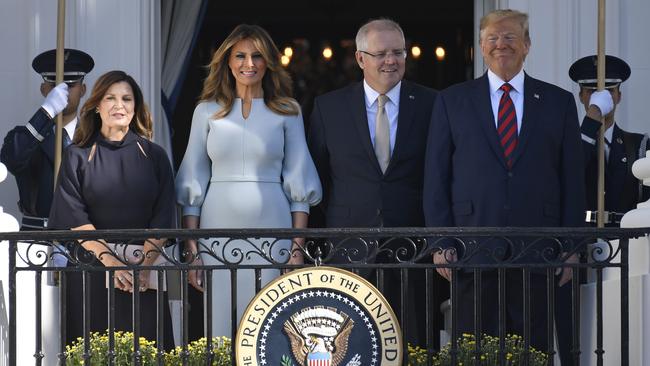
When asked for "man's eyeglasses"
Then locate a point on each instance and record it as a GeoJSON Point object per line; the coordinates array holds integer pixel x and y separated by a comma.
{"type": "Point", "coordinates": [381, 56]}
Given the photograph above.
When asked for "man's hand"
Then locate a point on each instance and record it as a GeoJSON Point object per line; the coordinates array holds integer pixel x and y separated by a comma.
{"type": "Point", "coordinates": [566, 273]}
{"type": "Point", "coordinates": [444, 256]}
{"type": "Point", "coordinates": [56, 100]}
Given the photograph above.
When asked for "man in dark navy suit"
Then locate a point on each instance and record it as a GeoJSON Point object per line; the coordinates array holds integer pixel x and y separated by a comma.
{"type": "Point", "coordinates": [622, 148]}
{"type": "Point", "coordinates": [504, 150]}
{"type": "Point", "coordinates": [622, 190]}
{"type": "Point", "coordinates": [368, 141]}
{"type": "Point", "coordinates": [28, 150]}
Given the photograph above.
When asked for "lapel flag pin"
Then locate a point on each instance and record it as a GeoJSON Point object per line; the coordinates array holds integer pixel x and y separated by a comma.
{"type": "Point", "coordinates": [536, 96]}
{"type": "Point", "coordinates": [411, 97]}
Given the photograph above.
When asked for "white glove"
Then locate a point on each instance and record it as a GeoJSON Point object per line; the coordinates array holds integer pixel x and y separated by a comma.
{"type": "Point", "coordinates": [56, 100]}
{"type": "Point", "coordinates": [603, 100]}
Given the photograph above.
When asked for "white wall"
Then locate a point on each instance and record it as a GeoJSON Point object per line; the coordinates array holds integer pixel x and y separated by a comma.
{"type": "Point", "coordinates": [564, 30]}
{"type": "Point", "coordinates": [118, 34]}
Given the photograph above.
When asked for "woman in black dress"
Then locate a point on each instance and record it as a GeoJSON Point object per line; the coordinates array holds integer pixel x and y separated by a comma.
{"type": "Point", "coordinates": [114, 177]}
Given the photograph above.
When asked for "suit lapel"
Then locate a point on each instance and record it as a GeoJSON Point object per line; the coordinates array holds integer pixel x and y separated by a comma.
{"type": "Point", "coordinates": [482, 103]}
{"type": "Point", "coordinates": [357, 106]}
{"type": "Point", "coordinates": [405, 119]}
{"type": "Point", "coordinates": [532, 109]}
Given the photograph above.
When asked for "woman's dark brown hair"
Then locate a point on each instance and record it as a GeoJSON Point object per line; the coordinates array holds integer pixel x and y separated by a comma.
{"type": "Point", "coordinates": [89, 120]}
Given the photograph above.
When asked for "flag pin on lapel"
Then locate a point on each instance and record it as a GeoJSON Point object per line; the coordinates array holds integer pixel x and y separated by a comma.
{"type": "Point", "coordinates": [536, 96]}
{"type": "Point", "coordinates": [411, 97]}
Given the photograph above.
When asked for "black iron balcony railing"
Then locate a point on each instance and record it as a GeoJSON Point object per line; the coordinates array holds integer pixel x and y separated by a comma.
{"type": "Point", "coordinates": [371, 252]}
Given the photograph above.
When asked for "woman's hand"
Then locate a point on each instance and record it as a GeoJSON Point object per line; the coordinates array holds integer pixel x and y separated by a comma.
{"type": "Point", "coordinates": [194, 276]}
{"type": "Point", "coordinates": [144, 276]}
{"type": "Point", "coordinates": [123, 280]}
{"type": "Point", "coordinates": [297, 255]}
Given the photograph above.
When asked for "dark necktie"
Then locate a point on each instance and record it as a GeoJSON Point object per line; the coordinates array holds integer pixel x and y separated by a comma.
{"type": "Point", "coordinates": [507, 124]}
{"type": "Point", "coordinates": [66, 139]}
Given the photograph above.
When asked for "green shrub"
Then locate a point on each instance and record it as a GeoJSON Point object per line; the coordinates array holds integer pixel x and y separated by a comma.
{"type": "Point", "coordinates": [123, 350]}
{"type": "Point", "coordinates": [222, 352]}
{"type": "Point", "coordinates": [514, 350]}
{"type": "Point", "coordinates": [197, 355]}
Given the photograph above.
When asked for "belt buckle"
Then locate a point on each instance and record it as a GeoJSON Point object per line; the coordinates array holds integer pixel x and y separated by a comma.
{"type": "Point", "coordinates": [34, 222]}
{"type": "Point", "coordinates": [609, 217]}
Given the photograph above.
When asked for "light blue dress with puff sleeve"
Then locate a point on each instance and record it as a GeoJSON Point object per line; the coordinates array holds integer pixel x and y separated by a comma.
{"type": "Point", "coordinates": [244, 173]}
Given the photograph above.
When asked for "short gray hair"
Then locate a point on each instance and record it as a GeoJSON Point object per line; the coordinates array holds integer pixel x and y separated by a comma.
{"type": "Point", "coordinates": [501, 14]}
{"type": "Point", "coordinates": [382, 24]}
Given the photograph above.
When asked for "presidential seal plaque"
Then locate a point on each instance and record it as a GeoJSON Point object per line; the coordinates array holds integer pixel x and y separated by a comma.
{"type": "Point", "coordinates": [319, 316]}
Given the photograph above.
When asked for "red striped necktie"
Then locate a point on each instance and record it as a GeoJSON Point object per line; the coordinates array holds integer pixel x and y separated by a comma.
{"type": "Point", "coordinates": [507, 124]}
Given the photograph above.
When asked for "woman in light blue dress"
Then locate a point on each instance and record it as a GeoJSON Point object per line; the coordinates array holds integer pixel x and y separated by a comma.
{"type": "Point", "coordinates": [246, 166]}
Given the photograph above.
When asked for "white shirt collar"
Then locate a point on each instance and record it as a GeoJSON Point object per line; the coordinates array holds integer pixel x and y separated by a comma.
{"type": "Point", "coordinates": [71, 127]}
{"type": "Point", "coordinates": [609, 134]}
{"type": "Point", "coordinates": [372, 94]}
{"type": "Point", "coordinates": [517, 82]}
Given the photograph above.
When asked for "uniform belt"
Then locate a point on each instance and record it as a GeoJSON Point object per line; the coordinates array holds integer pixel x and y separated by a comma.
{"type": "Point", "coordinates": [34, 222]}
{"type": "Point", "coordinates": [609, 217]}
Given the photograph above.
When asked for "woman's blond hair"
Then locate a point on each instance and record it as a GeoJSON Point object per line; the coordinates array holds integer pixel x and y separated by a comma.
{"type": "Point", "coordinates": [219, 86]}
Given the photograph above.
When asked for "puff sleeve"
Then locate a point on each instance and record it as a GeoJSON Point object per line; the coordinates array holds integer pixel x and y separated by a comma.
{"type": "Point", "coordinates": [299, 177]}
{"type": "Point", "coordinates": [194, 173]}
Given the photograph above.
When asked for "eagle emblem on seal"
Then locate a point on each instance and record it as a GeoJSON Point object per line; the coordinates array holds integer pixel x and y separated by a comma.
{"type": "Point", "coordinates": [319, 335]}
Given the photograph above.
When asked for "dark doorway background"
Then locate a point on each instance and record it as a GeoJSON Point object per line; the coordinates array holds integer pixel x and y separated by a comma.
{"type": "Point", "coordinates": [309, 26]}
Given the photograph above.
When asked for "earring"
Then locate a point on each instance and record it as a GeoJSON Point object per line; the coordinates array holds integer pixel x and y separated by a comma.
{"type": "Point", "coordinates": [97, 110]}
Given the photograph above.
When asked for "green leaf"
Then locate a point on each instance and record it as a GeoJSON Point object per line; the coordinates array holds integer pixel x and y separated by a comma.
{"type": "Point", "coordinates": [286, 361]}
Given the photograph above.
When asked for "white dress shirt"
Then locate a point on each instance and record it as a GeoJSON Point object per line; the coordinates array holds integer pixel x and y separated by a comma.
{"type": "Point", "coordinates": [516, 94]}
{"type": "Point", "coordinates": [392, 110]}
{"type": "Point", "coordinates": [70, 128]}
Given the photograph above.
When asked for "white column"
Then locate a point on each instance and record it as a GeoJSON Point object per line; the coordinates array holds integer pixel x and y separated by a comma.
{"type": "Point", "coordinates": [640, 270]}
{"type": "Point", "coordinates": [7, 224]}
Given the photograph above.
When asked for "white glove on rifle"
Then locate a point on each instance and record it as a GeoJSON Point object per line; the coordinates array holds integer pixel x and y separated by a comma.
{"type": "Point", "coordinates": [56, 100]}
{"type": "Point", "coordinates": [603, 100]}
